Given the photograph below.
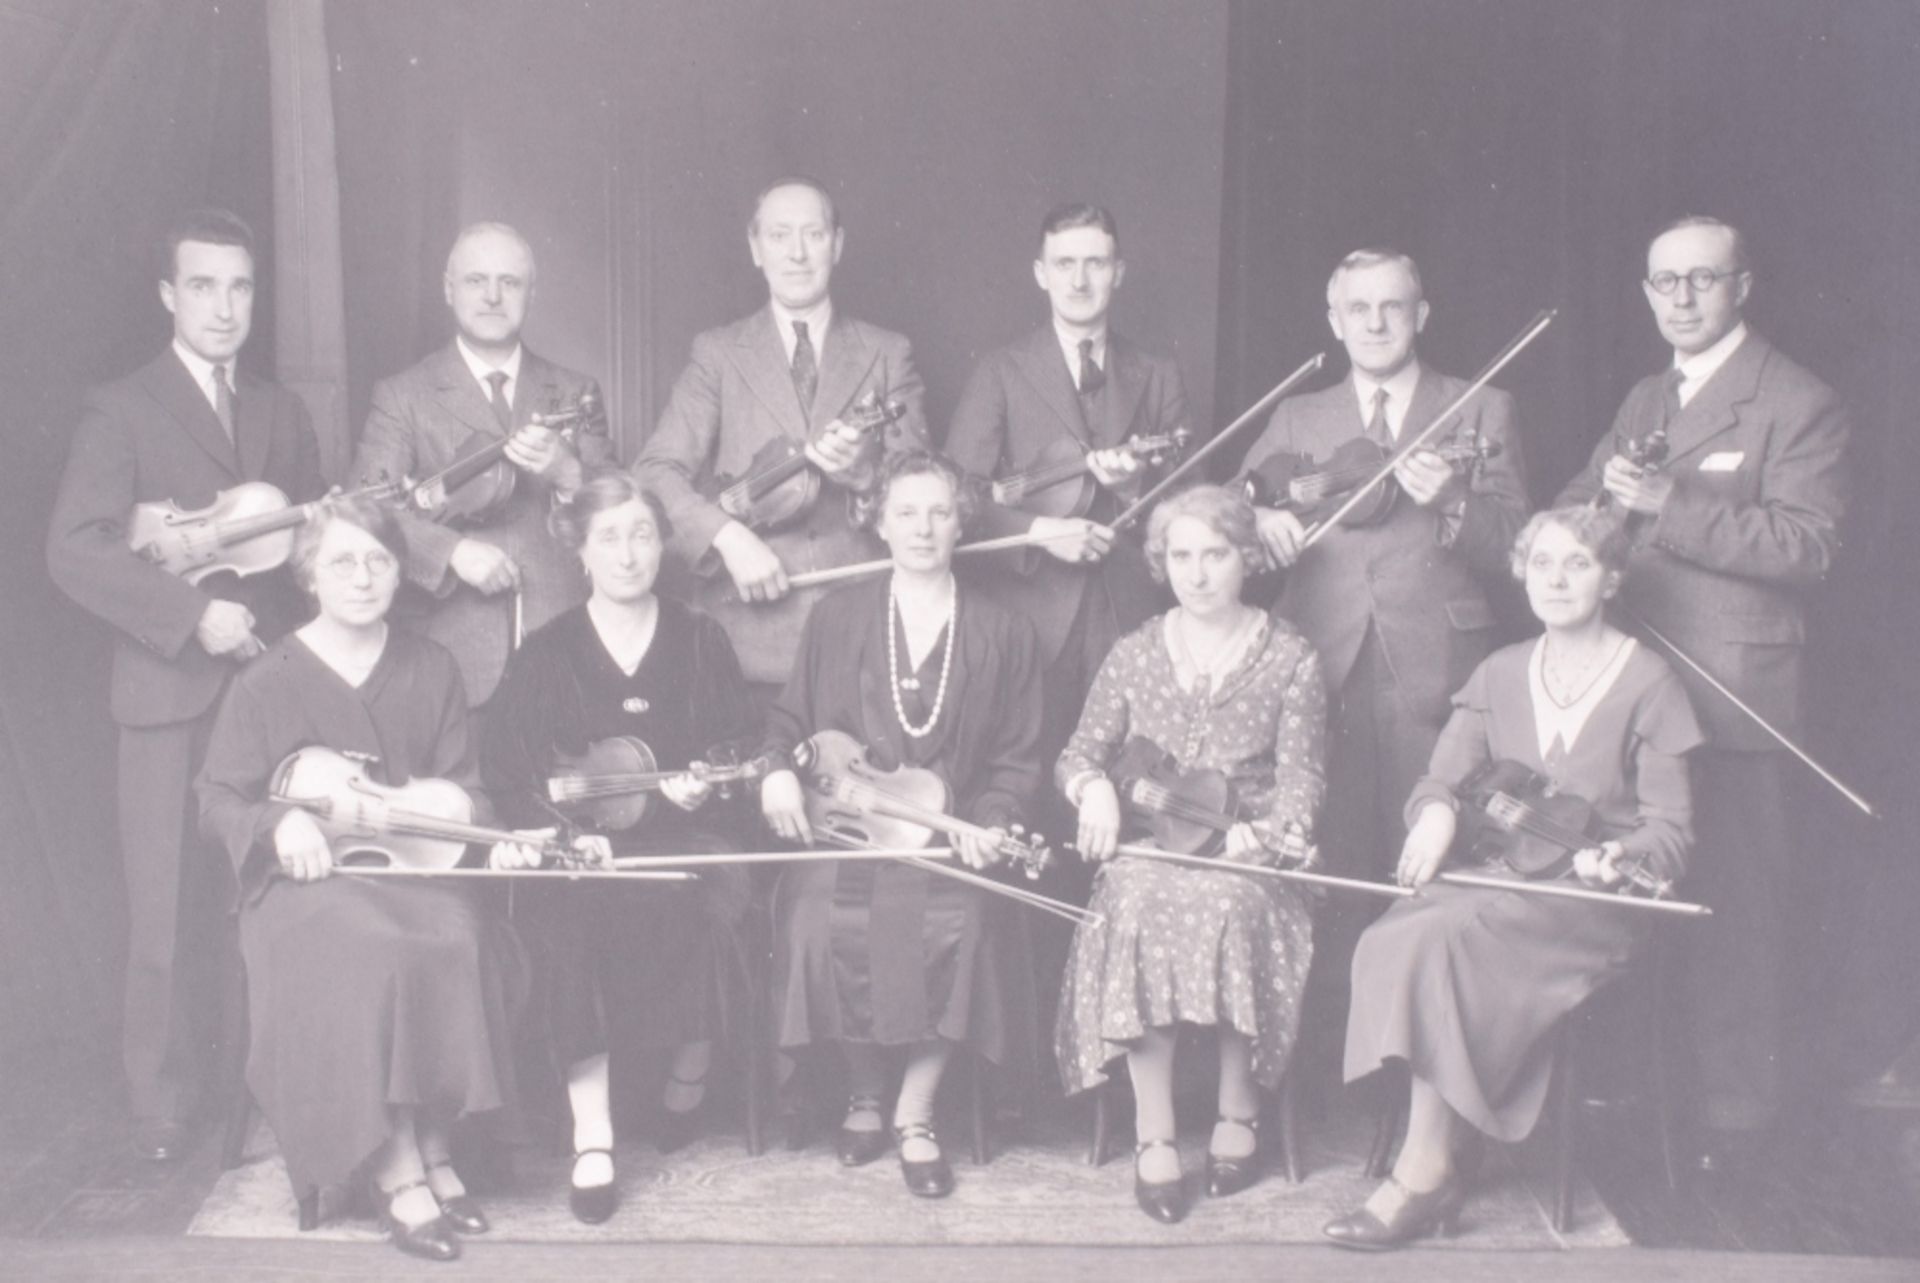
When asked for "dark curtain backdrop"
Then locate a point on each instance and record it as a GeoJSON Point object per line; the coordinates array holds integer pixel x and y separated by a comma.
{"type": "Point", "coordinates": [1524, 152]}
{"type": "Point", "coordinates": [113, 116]}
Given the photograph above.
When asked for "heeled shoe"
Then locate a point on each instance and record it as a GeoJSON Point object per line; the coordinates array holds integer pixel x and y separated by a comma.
{"type": "Point", "coordinates": [1227, 1176]}
{"type": "Point", "coordinates": [677, 1128]}
{"type": "Point", "coordinates": [1436, 1210]}
{"type": "Point", "coordinates": [593, 1204]}
{"type": "Point", "coordinates": [855, 1147]}
{"type": "Point", "coordinates": [432, 1240]}
{"type": "Point", "coordinates": [461, 1211]}
{"type": "Point", "coordinates": [1164, 1201]}
{"type": "Point", "coordinates": [931, 1178]}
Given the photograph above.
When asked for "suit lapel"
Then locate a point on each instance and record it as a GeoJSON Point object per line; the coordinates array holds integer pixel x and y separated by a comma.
{"type": "Point", "coordinates": [169, 383]}
{"type": "Point", "coordinates": [844, 364]}
{"type": "Point", "coordinates": [1428, 401]}
{"type": "Point", "coordinates": [1045, 367]}
{"type": "Point", "coordinates": [458, 392]}
{"type": "Point", "coordinates": [762, 361]}
{"type": "Point", "coordinates": [1715, 408]}
{"type": "Point", "coordinates": [255, 427]}
{"type": "Point", "coordinates": [536, 391]}
{"type": "Point", "coordinates": [1126, 384]}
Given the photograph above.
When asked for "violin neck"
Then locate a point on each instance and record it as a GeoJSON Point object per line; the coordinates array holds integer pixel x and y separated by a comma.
{"type": "Point", "coordinates": [761, 482]}
{"type": "Point", "coordinates": [414, 824]}
{"type": "Point", "coordinates": [879, 802]}
{"type": "Point", "coordinates": [461, 471]}
{"type": "Point", "coordinates": [1021, 484]}
{"type": "Point", "coordinates": [241, 529]}
{"type": "Point", "coordinates": [1160, 799]}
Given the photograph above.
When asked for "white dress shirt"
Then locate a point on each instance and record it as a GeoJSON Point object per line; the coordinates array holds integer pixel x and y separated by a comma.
{"type": "Point", "coordinates": [201, 371]}
{"type": "Point", "coordinates": [818, 318]}
{"type": "Point", "coordinates": [1399, 395]}
{"type": "Point", "coordinates": [1070, 348]}
{"type": "Point", "coordinates": [1695, 370]}
{"type": "Point", "coordinates": [510, 367]}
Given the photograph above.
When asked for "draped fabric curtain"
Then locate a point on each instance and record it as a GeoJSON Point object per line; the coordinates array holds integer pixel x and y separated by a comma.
{"type": "Point", "coordinates": [1524, 152]}
{"type": "Point", "coordinates": [114, 116]}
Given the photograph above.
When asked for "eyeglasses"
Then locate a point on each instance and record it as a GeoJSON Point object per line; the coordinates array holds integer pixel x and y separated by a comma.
{"type": "Point", "coordinates": [378, 563]}
{"type": "Point", "coordinates": [1701, 279]}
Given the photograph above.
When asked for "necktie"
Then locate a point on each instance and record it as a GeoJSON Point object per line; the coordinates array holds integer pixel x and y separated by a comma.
{"type": "Point", "coordinates": [223, 400]}
{"type": "Point", "coordinates": [1377, 426]}
{"type": "Point", "coordinates": [497, 380]}
{"type": "Point", "coordinates": [1672, 400]}
{"type": "Point", "coordinates": [806, 368]}
{"type": "Point", "coordinates": [1092, 377]}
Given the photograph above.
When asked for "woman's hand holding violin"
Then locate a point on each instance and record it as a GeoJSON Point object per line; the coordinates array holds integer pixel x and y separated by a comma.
{"type": "Point", "coordinates": [520, 855]}
{"type": "Point", "coordinates": [980, 850]}
{"type": "Point", "coordinates": [1245, 846]}
{"type": "Point", "coordinates": [688, 792]}
{"type": "Point", "coordinates": [1598, 866]}
{"type": "Point", "coordinates": [301, 847]}
{"type": "Point", "coordinates": [785, 807]}
{"type": "Point", "coordinates": [1427, 844]}
{"type": "Point", "coordinates": [1099, 830]}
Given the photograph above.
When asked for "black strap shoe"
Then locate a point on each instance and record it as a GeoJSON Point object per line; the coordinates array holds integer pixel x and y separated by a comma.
{"type": "Point", "coordinates": [1164, 1201]}
{"type": "Point", "coordinates": [1228, 1176]}
{"type": "Point", "coordinates": [857, 1146]}
{"type": "Point", "coordinates": [593, 1204]}
{"type": "Point", "coordinates": [433, 1240]}
{"type": "Point", "coordinates": [461, 1211]}
{"type": "Point", "coordinates": [931, 1178]}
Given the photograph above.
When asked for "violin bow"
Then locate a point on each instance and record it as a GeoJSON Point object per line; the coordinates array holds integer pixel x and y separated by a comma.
{"type": "Point", "coordinates": [1139, 851]}
{"type": "Point", "coordinates": [1779, 736]}
{"type": "Point", "coordinates": [1419, 440]}
{"type": "Point", "coordinates": [814, 578]}
{"type": "Point", "coordinates": [1186, 465]}
{"type": "Point", "coordinates": [1460, 877]}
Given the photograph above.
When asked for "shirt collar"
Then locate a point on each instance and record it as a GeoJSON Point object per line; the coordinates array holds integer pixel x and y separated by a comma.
{"type": "Point", "coordinates": [1695, 370]}
{"type": "Point", "coordinates": [818, 318]}
{"type": "Point", "coordinates": [1070, 346]}
{"type": "Point", "coordinates": [480, 369]}
{"type": "Point", "coordinates": [1399, 393]}
{"type": "Point", "coordinates": [201, 371]}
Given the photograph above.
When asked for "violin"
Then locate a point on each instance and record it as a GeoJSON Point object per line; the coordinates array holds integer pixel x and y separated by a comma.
{"type": "Point", "coordinates": [247, 529]}
{"type": "Point", "coordinates": [481, 478]}
{"type": "Point", "coordinates": [853, 803]}
{"type": "Point", "coordinates": [424, 824]}
{"type": "Point", "coordinates": [1646, 453]}
{"type": "Point", "coordinates": [1060, 482]}
{"type": "Point", "coordinates": [1313, 490]}
{"type": "Point", "coordinates": [780, 485]}
{"type": "Point", "coordinates": [613, 780]}
{"type": "Point", "coordinates": [1519, 817]}
{"type": "Point", "coordinates": [1189, 812]}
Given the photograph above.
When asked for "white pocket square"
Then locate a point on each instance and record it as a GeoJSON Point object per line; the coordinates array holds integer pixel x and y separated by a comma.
{"type": "Point", "coordinates": [1725, 461]}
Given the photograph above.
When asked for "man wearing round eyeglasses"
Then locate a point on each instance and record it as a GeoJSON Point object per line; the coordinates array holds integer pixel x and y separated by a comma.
{"type": "Point", "coordinates": [1733, 528]}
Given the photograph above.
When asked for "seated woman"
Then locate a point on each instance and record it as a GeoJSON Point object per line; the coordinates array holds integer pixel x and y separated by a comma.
{"type": "Point", "coordinates": [1217, 685]}
{"type": "Point", "coordinates": [627, 967]}
{"type": "Point", "coordinates": [1465, 983]}
{"type": "Point", "coordinates": [884, 957]}
{"type": "Point", "coordinates": [380, 1009]}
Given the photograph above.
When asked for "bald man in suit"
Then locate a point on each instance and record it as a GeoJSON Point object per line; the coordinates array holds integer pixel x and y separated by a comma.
{"type": "Point", "coordinates": [183, 428]}
{"type": "Point", "coordinates": [1398, 610]}
{"type": "Point", "coordinates": [1732, 530]}
{"type": "Point", "coordinates": [787, 374]}
{"type": "Point", "coordinates": [483, 388]}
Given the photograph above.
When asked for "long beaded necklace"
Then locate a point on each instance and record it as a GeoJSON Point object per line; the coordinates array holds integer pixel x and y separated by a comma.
{"type": "Point", "coordinates": [1592, 674]}
{"type": "Point", "coordinates": [893, 661]}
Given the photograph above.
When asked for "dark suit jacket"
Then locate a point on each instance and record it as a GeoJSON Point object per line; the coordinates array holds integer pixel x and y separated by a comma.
{"type": "Point", "coordinates": [1759, 489]}
{"type": "Point", "coordinates": [152, 436]}
{"type": "Point", "coordinates": [1412, 578]}
{"type": "Point", "coordinates": [422, 419]}
{"type": "Point", "coordinates": [735, 396]}
{"type": "Point", "coordinates": [1020, 400]}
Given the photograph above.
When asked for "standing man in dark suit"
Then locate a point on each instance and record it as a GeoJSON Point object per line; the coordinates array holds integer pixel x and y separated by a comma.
{"type": "Point", "coordinates": [1397, 609]}
{"type": "Point", "coordinates": [481, 389]}
{"type": "Point", "coordinates": [1732, 530]}
{"type": "Point", "coordinates": [1073, 379]}
{"type": "Point", "coordinates": [786, 374]}
{"type": "Point", "coordinates": [182, 428]}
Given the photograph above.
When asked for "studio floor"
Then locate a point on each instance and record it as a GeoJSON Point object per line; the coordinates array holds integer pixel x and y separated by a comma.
{"type": "Point", "coordinates": [1831, 1197]}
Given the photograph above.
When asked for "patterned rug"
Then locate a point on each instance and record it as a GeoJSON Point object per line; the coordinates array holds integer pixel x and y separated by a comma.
{"type": "Point", "coordinates": [1037, 1190]}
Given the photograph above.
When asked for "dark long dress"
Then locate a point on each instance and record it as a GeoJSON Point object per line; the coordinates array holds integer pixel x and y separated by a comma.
{"type": "Point", "coordinates": [627, 966]}
{"type": "Point", "coordinates": [363, 995]}
{"type": "Point", "coordinates": [887, 953]}
{"type": "Point", "coordinates": [1183, 944]}
{"type": "Point", "coordinates": [1465, 983]}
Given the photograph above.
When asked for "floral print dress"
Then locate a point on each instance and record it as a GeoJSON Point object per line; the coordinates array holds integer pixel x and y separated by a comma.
{"type": "Point", "coordinates": [1183, 944]}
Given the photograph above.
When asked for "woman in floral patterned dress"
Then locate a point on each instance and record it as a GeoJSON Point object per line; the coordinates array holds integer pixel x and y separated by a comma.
{"type": "Point", "coordinates": [1218, 685]}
